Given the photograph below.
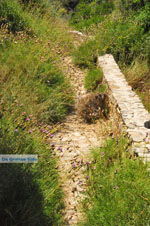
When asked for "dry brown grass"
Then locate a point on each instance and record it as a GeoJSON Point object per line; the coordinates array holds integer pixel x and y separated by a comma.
{"type": "Point", "coordinates": [93, 106]}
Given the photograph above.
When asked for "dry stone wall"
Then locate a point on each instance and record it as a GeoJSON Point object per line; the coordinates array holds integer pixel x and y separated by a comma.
{"type": "Point", "coordinates": [134, 115]}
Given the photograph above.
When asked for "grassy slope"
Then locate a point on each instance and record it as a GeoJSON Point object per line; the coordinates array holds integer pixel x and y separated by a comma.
{"type": "Point", "coordinates": [124, 32]}
{"type": "Point", "coordinates": [119, 187]}
{"type": "Point", "coordinates": [33, 91]}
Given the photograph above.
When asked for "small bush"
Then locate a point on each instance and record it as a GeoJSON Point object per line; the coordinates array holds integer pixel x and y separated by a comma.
{"type": "Point", "coordinates": [127, 6]}
{"type": "Point", "coordinates": [93, 79]}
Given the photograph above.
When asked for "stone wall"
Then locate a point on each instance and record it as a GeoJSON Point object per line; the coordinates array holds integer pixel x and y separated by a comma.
{"type": "Point", "coordinates": [134, 115]}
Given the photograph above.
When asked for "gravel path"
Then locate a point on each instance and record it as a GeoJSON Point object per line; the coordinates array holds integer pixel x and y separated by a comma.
{"type": "Point", "coordinates": [72, 147]}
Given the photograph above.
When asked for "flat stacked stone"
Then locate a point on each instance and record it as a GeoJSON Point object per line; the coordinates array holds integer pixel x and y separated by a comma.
{"type": "Point", "coordinates": [131, 108]}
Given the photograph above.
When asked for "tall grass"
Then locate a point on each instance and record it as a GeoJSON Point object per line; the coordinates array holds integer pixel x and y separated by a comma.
{"type": "Point", "coordinates": [119, 187]}
{"type": "Point", "coordinates": [33, 92]}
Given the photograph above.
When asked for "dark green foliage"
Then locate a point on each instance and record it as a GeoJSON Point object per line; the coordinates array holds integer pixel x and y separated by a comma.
{"type": "Point", "coordinates": [69, 4]}
{"type": "Point", "coordinates": [12, 15]}
{"type": "Point", "coordinates": [119, 188]}
{"type": "Point", "coordinates": [125, 38]}
{"type": "Point", "coordinates": [92, 79]}
{"type": "Point", "coordinates": [127, 6]}
{"type": "Point", "coordinates": [91, 12]}
{"type": "Point", "coordinates": [21, 202]}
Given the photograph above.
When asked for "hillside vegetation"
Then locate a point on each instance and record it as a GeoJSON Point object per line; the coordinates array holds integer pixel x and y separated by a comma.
{"type": "Point", "coordinates": [33, 94]}
{"type": "Point", "coordinates": [122, 29]}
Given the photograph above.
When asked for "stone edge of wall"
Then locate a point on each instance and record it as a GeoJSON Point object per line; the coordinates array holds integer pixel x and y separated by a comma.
{"type": "Point", "coordinates": [132, 111]}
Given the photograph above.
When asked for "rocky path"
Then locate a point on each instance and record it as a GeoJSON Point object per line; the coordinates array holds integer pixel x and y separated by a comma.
{"type": "Point", "coordinates": [72, 147]}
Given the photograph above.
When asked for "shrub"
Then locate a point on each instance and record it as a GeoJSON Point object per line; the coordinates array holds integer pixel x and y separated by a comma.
{"type": "Point", "coordinates": [13, 16]}
{"type": "Point", "coordinates": [69, 4]}
{"type": "Point", "coordinates": [93, 79]}
{"type": "Point", "coordinates": [93, 12]}
{"type": "Point", "coordinates": [127, 6]}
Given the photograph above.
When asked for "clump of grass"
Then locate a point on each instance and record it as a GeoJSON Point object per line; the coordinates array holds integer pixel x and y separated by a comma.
{"type": "Point", "coordinates": [92, 79]}
{"type": "Point", "coordinates": [41, 83]}
{"type": "Point", "coordinates": [118, 187]}
{"type": "Point", "coordinates": [138, 77]}
{"type": "Point", "coordinates": [102, 88]}
{"type": "Point", "coordinates": [86, 55]}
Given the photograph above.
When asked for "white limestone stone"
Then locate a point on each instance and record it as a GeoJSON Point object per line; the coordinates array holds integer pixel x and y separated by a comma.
{"type": "Point", "coordinates": [131, 108]}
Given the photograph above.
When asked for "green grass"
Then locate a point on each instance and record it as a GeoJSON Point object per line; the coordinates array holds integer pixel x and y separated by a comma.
{"type": "Point", "coordinates": [86, 55]}
{"type": "Point", "coordinates": [88, 13]}
{"type": "Point", "coordinates": [102, 88]}
{"type": "Point", "coordinates": [125, 34]}
{"type": "Point", "coordinates": [30, 193]}
{"type": "Point", "coordinates": [33, 92]}
{"type": "Point", "coordinates": [92, 79]}
{"type": "Point", "coordinates": [119, 187]}
{"type": "Point", "coordinates": [29, 74]}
